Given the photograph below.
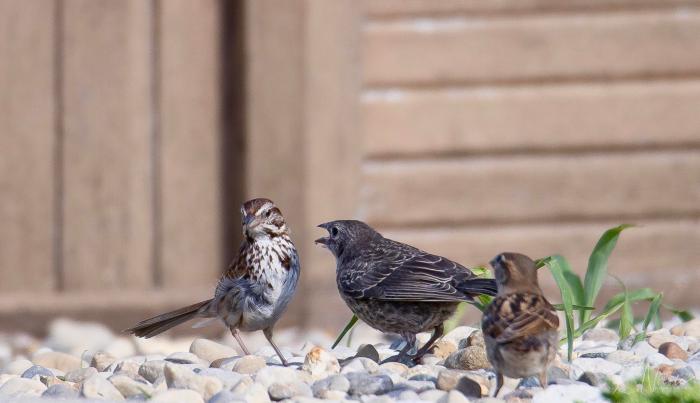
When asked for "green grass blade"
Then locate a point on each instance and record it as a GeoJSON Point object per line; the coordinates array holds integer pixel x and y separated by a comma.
{"type": "Point", "coordinates": [683, 315]}
{"type": "Point", "coordinates": [347, 328]}
{"type": "Point", "coordinates": [560, 307]}
{"type": "Point", "coordinates": [634, 296]}
{"type": "Point", "coordinates": [626, 318]}
{"type": "Point", "coordinates": [653, 312]}
{"type": "Point", "coordinates": [557, 265]}
{"type": "Point", "coordinates": [598, 267]}
{"type": "Point", "coordinates": [590, 324]}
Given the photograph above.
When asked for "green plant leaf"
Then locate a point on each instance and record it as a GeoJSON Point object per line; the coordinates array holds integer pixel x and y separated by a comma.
{"type": "Point", "coordinates": [560, 307]}
{"type": "Point", "coordinates": [598, 267]}
{"type": "Point", "coordinates": [634, 296]}
{"type": "Point", "coordinates": [347, 328]}
{"type": "Point", "coordinates": [653, 313]}
{"type": "Point", "coordinates": [683, 315]}
{"type": "Point", "coordinates": [557, 265]}
{"type": "Point", "coordinates": [626, 318]}
{"type": "Point", "coordinates": [607, 312]}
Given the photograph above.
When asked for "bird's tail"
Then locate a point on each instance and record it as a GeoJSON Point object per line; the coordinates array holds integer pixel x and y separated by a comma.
{"type": "Point", "coordinates": [476, 286]}
{"type": "Point", "coordinates": [158, 324]}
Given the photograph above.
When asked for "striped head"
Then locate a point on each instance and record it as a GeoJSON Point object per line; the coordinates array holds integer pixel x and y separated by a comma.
{"type": "Point", "coordinates": [262, 219]}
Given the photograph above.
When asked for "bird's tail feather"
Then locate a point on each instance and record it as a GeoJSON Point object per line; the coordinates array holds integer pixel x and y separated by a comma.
{"type": "Point", "coordinates": [475, 286]}
{"type": "Point", "coordinates": [158, 324]}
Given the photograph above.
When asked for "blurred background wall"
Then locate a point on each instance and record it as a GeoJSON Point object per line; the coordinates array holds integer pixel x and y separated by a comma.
{"type": "Point", "coordinates": [130, 132]}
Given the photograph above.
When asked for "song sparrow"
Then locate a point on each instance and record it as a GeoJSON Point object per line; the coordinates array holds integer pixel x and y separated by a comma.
{"type": "Point", "coordinates": [520, 325]}
{"type": "Point", "coordinates": [397, 288]}
{"type": "Point", "coordinates": [255, 290]}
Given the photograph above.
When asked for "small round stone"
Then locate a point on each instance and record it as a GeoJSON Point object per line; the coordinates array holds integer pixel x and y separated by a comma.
{"type": "Point", "coordinates": [249, 364]}
{"type": "Point", "coordinates": [673, 351]}
{"type": "Point", "coordinates": [80, 375]}
{"type": "Point", "coordinates": [96, 387]}
{"type": "Point", "coordinates": [61, 391]}
{"type": "Point", "coordinates": [320, 363]}
{"type": "Point", "coordinates": [102, 360]}
{"type": "Point", "coordinates": [601, 335]}
{"type": "Point", "coordinates": [281, 391]}
{"type": "Point", "coordinates": [364, 384]}
{"type": "Point", "coordinates": [177, 396]}
{"type": "Point", "coordinates": [180, 377]}
{"type": "Point", "coordinates": [443, 348]}
{"type": "Point", "coordinates": [368, 351]}
{"type": "Point", "coordinates": [21, 387]}
{"type": "Point", "coordinates": [152, 370]}
{"type": "Point", "coordinates": [470, 358]}
{"type": "Point", "coordinates": [360, 364]}
{"type": "Point", "coordinates": [55, 359]}
{"type": "Point", "coordinates": [211, 351]}
{"type": "Point", "coordinates": [36, 370]}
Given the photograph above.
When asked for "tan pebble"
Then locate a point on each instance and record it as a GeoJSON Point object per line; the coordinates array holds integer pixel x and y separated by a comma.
{"type": "Point", "coordinates": [54, 359]}
{"type": "Point", "coordinates": [673, 351]}
{"type": "Point", "coordinates": [443, 348]}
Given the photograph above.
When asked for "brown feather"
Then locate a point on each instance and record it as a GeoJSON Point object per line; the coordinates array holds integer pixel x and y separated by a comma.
{"type": "Point", "coordinates": [158, 324]}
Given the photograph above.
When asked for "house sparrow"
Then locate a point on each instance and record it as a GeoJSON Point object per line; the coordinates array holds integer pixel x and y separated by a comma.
{"type": "Point", "coordinates": [520, 325]}
{"type": "Point", "coordinates": [397, 288]}
{"type": "Point", "coordinates": [255, 290]}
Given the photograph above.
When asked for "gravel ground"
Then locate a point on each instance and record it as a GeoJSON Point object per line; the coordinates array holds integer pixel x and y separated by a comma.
{"type": "Point", "coordinates": [83, 362]}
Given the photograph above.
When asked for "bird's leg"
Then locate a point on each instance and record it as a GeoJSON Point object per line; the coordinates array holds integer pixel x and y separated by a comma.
{"type": "Point", "coordinates": [410, 342]}
{"type": "Point", "coordinates": [238, 338]}
{"type": "Point", "coordinates": [499, 383]}
{"type": "Point", "coordinates": [268, 335]}
{"type": "Point", "coordinates": [543, 378]}
{"type": "Point", "coordinates": [437, 333]}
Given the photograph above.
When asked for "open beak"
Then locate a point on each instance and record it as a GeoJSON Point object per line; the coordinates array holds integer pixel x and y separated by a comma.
{"type": "Point", "coordinates": [323, 241]}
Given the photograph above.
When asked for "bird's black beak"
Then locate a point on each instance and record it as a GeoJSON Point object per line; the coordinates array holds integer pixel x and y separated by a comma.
{"type": "Point", "coordinates": [323, 241]}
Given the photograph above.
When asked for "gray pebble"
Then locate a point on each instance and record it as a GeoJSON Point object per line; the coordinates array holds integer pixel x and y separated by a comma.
{"type": "Point", "coordinates": [226, 396]}
{"type": "Point", "coordinates": [80, 375]}
{"type": "Point", "coordinates": [594, 355]}
{"type": "Point", "coordinates": [35, 370]}
{"type": "Point", "coordinates": [61, 391]}
{"type": "Point", "coordinates": [468, 387]}
{"type": "Point", "coordinates": [686, 373]}
{"type": "Point", "coordinates": [332, 383]}
{"type": "Point", "coordinates": [364, 384]}
{"type": "Point", "coordinates": [281, 391]}
{"type": "Point", "coordinates": [592, 378]}
{"type": "Point", "coordinates": [368, 351]}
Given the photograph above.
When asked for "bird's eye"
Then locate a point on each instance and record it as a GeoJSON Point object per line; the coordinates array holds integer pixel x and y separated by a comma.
{"type": "Point", "coordinates": [334, 231]}
{"type": "Point", "coordinates": [267, 214]}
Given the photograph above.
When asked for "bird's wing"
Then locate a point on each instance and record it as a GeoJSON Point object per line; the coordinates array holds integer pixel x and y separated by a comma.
{"type": "Point", "coordinates": [411, 275]}
{"type": "Point", "coordinates": [518, 315]}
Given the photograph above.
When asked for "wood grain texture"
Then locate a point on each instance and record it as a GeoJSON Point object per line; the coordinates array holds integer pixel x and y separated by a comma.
{"type": "Point", "coordinates": [640, 114]}
{"type": "Point", "coordinates": [403, 8]}
{"type": "Point", "coordinates": [108, 231]}
{"type": "Point", "coordinates": [27, 141]}
{"type": "Point", "coordinates": [333, 148]}
{"type": "Point", "coordinates": [189, 100]}
{"type": "Point", "coordinates": [532, 188]}
{"type": "Point", "coordinates": [547, 47]}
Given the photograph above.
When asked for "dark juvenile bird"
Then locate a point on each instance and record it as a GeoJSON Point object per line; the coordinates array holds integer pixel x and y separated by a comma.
{"type": "Point", "coordinates": [255, 290]}
{"type": "Point", "coordinates": [395, 287]}
{"type": "Point", "coordinates": [520, 326]}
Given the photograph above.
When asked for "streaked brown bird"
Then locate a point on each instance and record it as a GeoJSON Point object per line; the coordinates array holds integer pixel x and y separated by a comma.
{"type": "Point", "coordinates": [395, 287]}
{"type": "Point", "coordinates": [520, 326]}
{"type": "Point", "coordinates": [256, 288]}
